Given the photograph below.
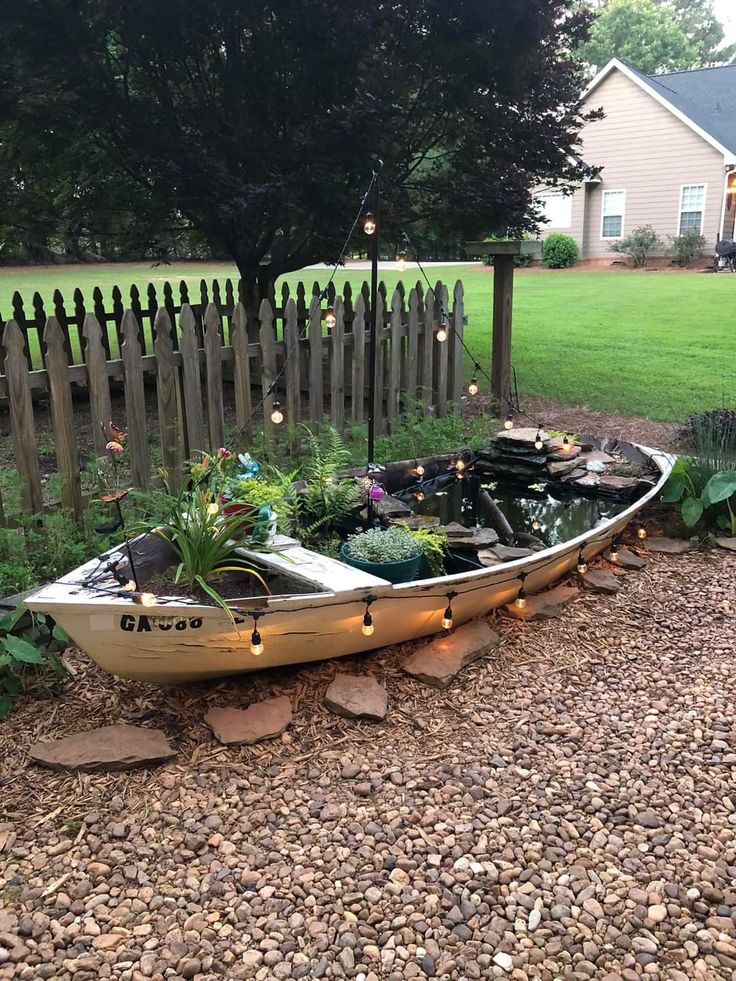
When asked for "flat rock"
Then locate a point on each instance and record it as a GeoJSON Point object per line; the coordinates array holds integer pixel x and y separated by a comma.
{"type": "Point", "coordinates": [261, 720]}
{"type": "Point", "coordinates": [118, 747]}
{"type": "Point", "coordinates": [561, 454]}
{"type": "Point", "coordinates": [546, 605]}
{"type": "Point", "coordinates": [458, 534]}
{"type": "Point", "coordinates": [727, 543]}
{"type": "Point", "coordinates": [510, 553]}
{"type": "Point", "coordinates": [630, 560]}
{"type": "Point", "coordinates": [615, 484]}
{"type": "Point", "coordinates": [488, 557]}
{"type": "Point", "coordinates": [357, 696]}
{"type": "Point", "coordinates": [600, 581]}
{"type": "Point", "coordinates": [391, 507]}
{"type": "Point", "coordinates": [437, 662]}
{"type": "Point", "coordinates": [523, 434]}
{"type": "Point", "coordinates": [556, 468]}
{"type": "Point", "coordinates": [574, 475]}
{"type": "Point", "coordinates": [595, 456]}
{"type": "Point", "coordinates": [671, 546]}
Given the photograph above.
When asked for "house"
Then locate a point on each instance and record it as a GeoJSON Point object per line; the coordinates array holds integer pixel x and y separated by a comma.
{"type": "Point", "coordinates": [667, 153]}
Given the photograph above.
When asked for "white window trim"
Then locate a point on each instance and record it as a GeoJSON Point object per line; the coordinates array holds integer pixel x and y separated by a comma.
{"type": "Point", "coordinates": [613, 190]}
{"type": "Point", "coordinates": [702, 184]}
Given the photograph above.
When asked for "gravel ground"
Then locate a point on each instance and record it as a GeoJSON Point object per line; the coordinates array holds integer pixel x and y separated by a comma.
{"type": "Point", "coordinates": [566, 809]}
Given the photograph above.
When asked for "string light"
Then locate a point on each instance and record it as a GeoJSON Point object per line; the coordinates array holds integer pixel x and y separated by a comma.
{"type": "Point", "coordinates": [509, 423]}
{"type": "Point", "coordinates": [582, 564]}
{"type": "Point", "coordinates": [256, 642]}
{"type": "Point", "coordinates": [446, 621]}
{"type": "Point", "coordinates": [613, 553]}
{"type": "Point", "coordinates": [401, 259]}
{"type": "Point", "coordinates": [538, 444]}
{"type": "Point", "coordinates": [536, 525]}
{"type": "Point", "coordinates": [330, 318]}
{"type": "Point", "coordinates": [368, 627]}
{"type": "Point", "coordinates": [566, 445]}
{"type": "Point", "coordinates": [641, 533]}
{"type": "Point", "coordinates": [441, 334]}
{"type": "Point", "coordinates": [419, 470]}
{"type": "Point", "coordinates": [520, 601]}
{"type": "Point", "coordinates": [460, 465]}
{"type": "Point", "coordinates": [277, 416]}
{"type": "Point", "coordinates": [369, 224]}
{"type": "Point", "coordinates": [419, 495]}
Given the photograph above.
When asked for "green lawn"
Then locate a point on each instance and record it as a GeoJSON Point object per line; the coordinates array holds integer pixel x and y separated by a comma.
{"type": "Point", "coordinates": [639, 343]}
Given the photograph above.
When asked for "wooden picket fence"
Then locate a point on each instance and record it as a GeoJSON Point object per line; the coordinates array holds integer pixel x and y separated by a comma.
{"type": "Point", "coordinates": [192, 358]}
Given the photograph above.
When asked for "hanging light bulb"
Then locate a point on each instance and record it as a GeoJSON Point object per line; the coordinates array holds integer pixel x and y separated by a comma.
{"type": "Point", "coordinates": [536, 525]}
{"type": "Point", "coordinates": [129, 586]}
{"type": "Point", "coordinates": [473, 386]}
{"type": "Point", "coordinates": [419, 495]}
{"type": "Point", "coordinates": [369, 224]}
{"type": "Point", "coordinates": [460, 465]}
{"type": "Point", "coordinates": [401, 260]}
{"type": "Point", "coordinates": [277, 416]}
{"type": "Point", "coordinates": [582, 564]}
{"type": "Point", "coordinates": [538, 443]}
{"type": "Point", "coordinates": [419, 470]}
{"type": "Point", "coordinates": [330, 318]}
{"type": "Point", "coordinates": [144, 599]}
{"type": "Point", "coordinates": [613, 552]}
{"type": "Point", "coordinates": [446, 621]}
{"type": "Point", "coordinates": [441, 334]}
{"type": "Point", "coordinates": [641, 533]}
{"type": "Point", "coordinates": [520, 601]}
{"type": "Point", "coordinates": [509, 422]}
{"type": "Point", "coordinates": [566, 444]}
{"type": "Point", "coordinates": [256, 643]}
{"type": "Point", "coordinates": [368, 627]}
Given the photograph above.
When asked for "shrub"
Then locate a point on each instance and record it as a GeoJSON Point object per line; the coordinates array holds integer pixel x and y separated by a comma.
{"type": "Point", "coordinates": [394, 544]}
{"type": "Point", "coordinates": [639, 245]}
{"type": "Point", "coordinates": [559, 251]}
{"type": "Point", "coordinates": [687, 246]}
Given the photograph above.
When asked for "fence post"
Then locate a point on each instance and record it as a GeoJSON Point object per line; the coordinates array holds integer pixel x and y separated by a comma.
{"type": "Point", "coordinates": [291, 371]}
{"type": "Point", "coordinates": [98, 382]}
{"type": "Point", "coordinates": [441, 361]}
{"type": "Point", "coordinates": [62, 416]}
{"type": "Point", "coordinates": [426, 352]}
{"type": "Point", "coordinates": [337, 367]}
{"type": "Point", "coordinates": [167, 395]}
{"type": "Point", "coordinates": [213, 361]}
{"type": "Point", "coordinates": [268, 363]}
{"type": "Point", "coordinates": [135, 401]}
{"type": "Point", "coordinates": [380, 362]}
{"type": "Point", "coordinates": [456, 350]}
{"type": "Point", "coordinates": [412, 351]}
{"type": "Point", "coordinates": [316, 380]}
{"type": "Point", "coordinates": [394, 383]}
{"type": "Point", "coordinates": [358, 374]}
{"type": "Point", "coordinates": [21, 416]}
{"type": "Point", "coordinates": [192, 391]}
{"type": "Point", "coordinates": [241, 375]}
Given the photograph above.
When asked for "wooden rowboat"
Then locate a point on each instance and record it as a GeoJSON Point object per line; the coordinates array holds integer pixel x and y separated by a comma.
{"type": "Point", "coordinates": [175, 639]}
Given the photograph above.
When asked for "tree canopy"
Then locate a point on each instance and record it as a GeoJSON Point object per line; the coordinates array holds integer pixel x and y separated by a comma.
{"type": "Point", "coordinates": [656, 35]}
{"type": "Point", "coordinates": [253, 121]}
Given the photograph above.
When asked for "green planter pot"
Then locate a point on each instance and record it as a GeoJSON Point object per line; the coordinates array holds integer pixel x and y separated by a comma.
{"type": "Point", "coordinates": [403, 571]}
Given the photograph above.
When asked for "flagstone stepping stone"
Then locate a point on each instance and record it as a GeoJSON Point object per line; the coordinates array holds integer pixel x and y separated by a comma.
{"type": "Point", "coordinates": [614, 484]}
{"type": "Point", "coordinates": [523, 434]}
{"type": "Point", "coordinates": [458, 534]}
{"type": "Point", "coordinates": [437, 662]}
{"type": "Point", "coordinates": [357, 696]}
{"type": "Point", "coordinates": [595, 456]}
{"type": "Point", "coordinates": [671, 546]}
{"type": "Point", "coordinates": [261, 720]}
{"type": "Point", "coordinates": [727, 543]}
{"type": "Point", "coordinates": [600, 581]}
{"type": "Point", "coordinates": [118, 747]}
{"type": "Point", "coordinates": [630, 560]}
{"type": "Point", "coordinates": [544, 606]}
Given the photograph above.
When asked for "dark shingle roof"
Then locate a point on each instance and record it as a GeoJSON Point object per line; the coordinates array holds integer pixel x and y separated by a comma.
{"type": "Point", "coordinates": [707, 96]}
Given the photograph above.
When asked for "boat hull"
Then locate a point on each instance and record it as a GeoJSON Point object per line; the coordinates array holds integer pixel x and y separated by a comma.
{"type": "Point", "coordinates": [177, 641]}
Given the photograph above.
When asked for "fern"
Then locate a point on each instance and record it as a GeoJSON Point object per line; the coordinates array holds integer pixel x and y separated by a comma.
{"type": "Point", "coordinates": [327, 497]}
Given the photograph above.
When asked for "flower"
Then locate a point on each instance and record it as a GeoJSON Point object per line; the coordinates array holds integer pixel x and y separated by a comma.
{"type": "Point", "coordinates": [376, 493]}
{"type": "Point", "coordinates": [430, 409]}
{"type": "Point", "coordinates": [224, 454]}
{"type": "Point", "coordinates": [213, 508]}
{"type": "Point", "coordinates": [117, 433]}
{"type": "Point", "coordinates": [114, 447]}
{"type": "Point", "coordinates": [201, 468]}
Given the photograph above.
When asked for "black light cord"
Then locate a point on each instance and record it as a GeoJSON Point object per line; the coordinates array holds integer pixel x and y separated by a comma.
{"type": "Point", "coordinates": [316, 302]}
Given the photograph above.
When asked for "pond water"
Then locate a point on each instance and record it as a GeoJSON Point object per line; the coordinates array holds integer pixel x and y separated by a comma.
{"type": "Point", "coordinates": [553, 519]}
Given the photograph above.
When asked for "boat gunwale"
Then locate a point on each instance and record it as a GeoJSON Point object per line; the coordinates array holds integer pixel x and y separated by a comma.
{"type": "Point", "coordinates": [41, 601]}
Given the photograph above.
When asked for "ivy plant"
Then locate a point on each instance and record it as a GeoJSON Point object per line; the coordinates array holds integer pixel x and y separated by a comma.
{"type": "Point", "coordinates": [24, 657]}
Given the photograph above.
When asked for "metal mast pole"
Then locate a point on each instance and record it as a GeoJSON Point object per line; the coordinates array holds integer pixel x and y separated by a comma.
{"type": "Point", "coordinates": [377, 165]}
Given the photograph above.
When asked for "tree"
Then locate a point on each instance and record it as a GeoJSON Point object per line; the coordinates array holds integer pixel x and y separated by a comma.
{"type": "Point", "coordinates": [254, 120]}
{"type": "Point", "coordinates": [699, 22]}
{"type": "Point", "coordinates": [641, 32]}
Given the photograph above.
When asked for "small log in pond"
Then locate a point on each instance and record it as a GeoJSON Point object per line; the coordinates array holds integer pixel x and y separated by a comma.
{"type": "Point", "coordinates": [496, 517]}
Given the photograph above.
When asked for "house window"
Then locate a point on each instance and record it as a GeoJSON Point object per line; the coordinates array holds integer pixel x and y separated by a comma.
{"type": "Point", "coordinates": [612, 222]}
{"type": "Point", "coordinates": [692, 206]}
{"type": "Point", "coordinates": [556, 208]}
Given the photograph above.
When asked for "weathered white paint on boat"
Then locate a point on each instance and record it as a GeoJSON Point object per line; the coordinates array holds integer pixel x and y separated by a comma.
{"type": "Point", "coordinates": [175, 640]}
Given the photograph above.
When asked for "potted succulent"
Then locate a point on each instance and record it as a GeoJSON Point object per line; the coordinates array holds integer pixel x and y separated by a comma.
{"type": "Point", "coordinates": [389, 553]}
